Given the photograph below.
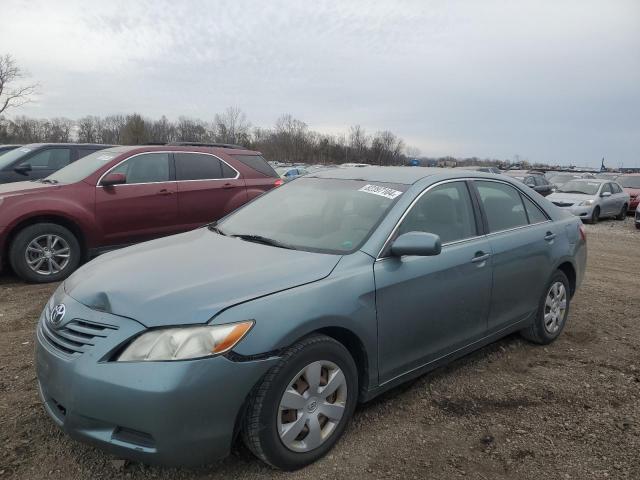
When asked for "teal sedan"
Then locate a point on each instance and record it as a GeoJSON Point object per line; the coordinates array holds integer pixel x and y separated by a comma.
{"type": "Point", "coordinates": [272, 324]}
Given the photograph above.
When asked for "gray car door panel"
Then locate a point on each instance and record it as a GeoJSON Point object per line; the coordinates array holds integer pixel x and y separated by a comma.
{"type": "Point", "coordinates": [430, 306]}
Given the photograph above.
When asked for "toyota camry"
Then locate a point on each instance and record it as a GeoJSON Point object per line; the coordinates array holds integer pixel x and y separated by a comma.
{"type": "Point", "coordinates": [272, 324]}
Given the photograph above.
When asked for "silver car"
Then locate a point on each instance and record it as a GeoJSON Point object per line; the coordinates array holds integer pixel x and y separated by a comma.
{"type": "Point", "coordinates": [592, 199]}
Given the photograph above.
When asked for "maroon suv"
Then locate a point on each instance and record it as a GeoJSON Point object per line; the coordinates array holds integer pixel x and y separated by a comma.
{"type": "Point", "coordinates": [119, 196]}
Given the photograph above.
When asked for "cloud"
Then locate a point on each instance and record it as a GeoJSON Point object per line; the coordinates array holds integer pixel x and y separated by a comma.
{"type": "Point", "coordinates": [542, 79]}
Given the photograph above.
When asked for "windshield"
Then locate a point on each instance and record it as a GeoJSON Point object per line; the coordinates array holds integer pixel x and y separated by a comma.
{"type": "Point", "coordinates": [629, 182]}
{"type": "Point", "coordinates": [580, 186]}
{"type": "Point", "coordinates": [561, 179]}
{"type": "Point", "coordinates": [11, 156]}
{"type": "Point", "coordinates": [316, 214]}
{"type": "Point", "coordinates": [82, 168]}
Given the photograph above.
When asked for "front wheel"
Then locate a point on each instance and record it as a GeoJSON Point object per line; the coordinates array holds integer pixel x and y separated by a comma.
{"type": "Point", "coordinates": [303, 404]}
{"type": "Point", "coordinates": [595, 216]}
{"type": "Point", "coordinates": [44, 252]}
{"type": "Point", "coordinates": [553, 311]}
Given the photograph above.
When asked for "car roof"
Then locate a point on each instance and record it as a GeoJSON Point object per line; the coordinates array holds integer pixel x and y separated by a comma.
{"type": "Point", "coordinates": [178, 148]}
{"type": "Point", "coordinates": [593, 180]}
{"type": "Point", "coordinates": [400, 175]}
{"type": "Point", "coordinates": [66, 144]}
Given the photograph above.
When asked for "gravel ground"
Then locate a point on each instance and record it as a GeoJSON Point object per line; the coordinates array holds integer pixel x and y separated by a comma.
{"type": "Point", "coordinates": [509, 411]}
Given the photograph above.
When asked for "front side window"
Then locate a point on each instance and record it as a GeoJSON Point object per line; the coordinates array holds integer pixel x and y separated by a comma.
{"type": "Point", "coordinates": [51, 159]}
{"type": "Point", "coordinates": [445, 210]}
{"type": "Point", "coordinates": [316, 214]}
{"type": "Point", "coordinates": [197, 166]}
{"type": "Point", "coordinates": [145, 168]}
{"type": "Point", "coordinates": [606, 188]}
{"type": "Point", "coordinates": [502, 205]}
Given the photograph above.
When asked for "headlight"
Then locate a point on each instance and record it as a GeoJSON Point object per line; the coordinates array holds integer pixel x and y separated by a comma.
{"type": "Point", "coordinates": [586, 203]}
{"type": "Point", "coordinates": [185, 343]}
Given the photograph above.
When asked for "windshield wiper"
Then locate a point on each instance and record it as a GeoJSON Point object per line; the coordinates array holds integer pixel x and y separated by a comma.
{"type": "Point", "coordinates": [214, 228]}
{"type": "Point", "coordinates": [48, 180]}
{"type": "Point", "coordinates": [265, 240]}
{"type": "Point", "coordinates": [573, 191]}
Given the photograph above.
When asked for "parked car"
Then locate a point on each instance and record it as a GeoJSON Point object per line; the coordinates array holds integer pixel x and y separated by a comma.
{"type": "Point", "coordinates": [7, 148]}
{"type": "Point", "coordinates": [38, 160]}
{"type": "Point", "coordinates": [482, 169]}
{"type": "Point", "coordinates": [121, 196]}
{"type": "Point", "coordinates": [592, 199]}
{"type": "Point", "coordinates": [558, 180]}
{"type": "Point", "coordinates": [161, 352]}
{"type": "Point", "coordinates": [535, 181]}
{"type": "Point", "coordinates": [289, 173]}
{"type": "Point", "coordinates": [631, 185]}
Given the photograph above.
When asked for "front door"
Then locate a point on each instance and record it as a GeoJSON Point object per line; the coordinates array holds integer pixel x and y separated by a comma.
{"type": "Point", "coordinates": [145, 207]}
{"type": "Point", "coordinates": [431, 306]}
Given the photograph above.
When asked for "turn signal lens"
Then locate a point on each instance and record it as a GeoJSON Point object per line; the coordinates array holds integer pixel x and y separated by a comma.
{"type": "Point", "coordinates": [185, 343]}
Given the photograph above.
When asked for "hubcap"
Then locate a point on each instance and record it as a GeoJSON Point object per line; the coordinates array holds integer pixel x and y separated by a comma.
{"type": "Point", "coordinates": [555, 307]}
{"type": "Point", "coordinates": [47, 254]}
{"type": "Point", "coordinates": [312, 406]}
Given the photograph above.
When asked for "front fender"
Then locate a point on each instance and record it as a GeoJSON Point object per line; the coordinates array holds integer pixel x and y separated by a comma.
{"type": "Point", "coordinates": [345, 299]}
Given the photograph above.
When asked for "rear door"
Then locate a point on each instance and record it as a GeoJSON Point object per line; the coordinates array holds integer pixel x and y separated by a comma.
{"type": "Point", "coordinates": [145, 207]}
{"type": "Point", "coordinates": [208, 188]}
{"type": "Point", "coordinates": [522, 239]}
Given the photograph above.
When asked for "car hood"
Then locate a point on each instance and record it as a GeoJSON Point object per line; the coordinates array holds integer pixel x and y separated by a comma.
{"type": "Point", "coordinates": [569, 197]}
{"type": "Point", "coordinates": [22, 188]}
{"type": "Point", "coordinates": [191, 277]}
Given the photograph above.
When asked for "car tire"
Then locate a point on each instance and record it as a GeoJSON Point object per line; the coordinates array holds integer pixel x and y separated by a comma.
{"type": "Point", "coordinates": [595, 216]}
{"type": "Point", "coordinates": [263, 430]}
{"type": "Point", "coordinates": [551, 318]}
{"type": "Point", "coordinates": [623, 213]}
{"type": "Point", "coordinates": [59, 253]}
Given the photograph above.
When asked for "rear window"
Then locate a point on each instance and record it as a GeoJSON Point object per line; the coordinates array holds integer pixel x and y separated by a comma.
{"type": "Point", "coordinates": [258, 163]}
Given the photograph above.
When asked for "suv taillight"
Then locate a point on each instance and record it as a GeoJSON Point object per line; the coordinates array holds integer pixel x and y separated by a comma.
{"type": "Point", "coordinates": [278, 182]}
{"type": "Point", "coordinates": [583, 232]}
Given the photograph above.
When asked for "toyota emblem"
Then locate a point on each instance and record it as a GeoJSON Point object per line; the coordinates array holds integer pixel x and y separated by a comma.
{"type": "Point", "coordinates": [57, 315]}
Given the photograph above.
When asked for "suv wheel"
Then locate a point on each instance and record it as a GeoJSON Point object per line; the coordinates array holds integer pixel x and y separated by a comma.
{"type": "Point", "coordinates": [44, 252]}
{"type": "Point", "coordinates": [552, 311]}
{"type": "Point", "coordinates": [302, 406]}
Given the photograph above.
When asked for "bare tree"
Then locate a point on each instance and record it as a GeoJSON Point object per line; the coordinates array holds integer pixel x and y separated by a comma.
{"type": "Point", "coordinates": [412, 152]}
{"type": "Point", "coordinates": [232, 126]}
{"type": "Point", "coordinates": [13, 93]}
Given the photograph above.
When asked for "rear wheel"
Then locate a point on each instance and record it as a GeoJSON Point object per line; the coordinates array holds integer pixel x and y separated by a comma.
{"type": "Point", "coordinates": [303, 404]}
{"type": "Point", "coordinates": [44, 252]}
{"type": "Point", "coordinates": [623, 213]}
{"type": "Point", "coordinates": [552, 311]}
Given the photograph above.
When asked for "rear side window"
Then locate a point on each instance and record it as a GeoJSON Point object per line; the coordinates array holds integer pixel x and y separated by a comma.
{"type": "Point", "coordinates": [51, 159]}
{"type": "Point", "coordinates": [502, 205]}
{"type": "Point", "coordinates": [258, 163]}
{"type": "Point", "coordinates": [145, 168]}
{"type": "Point", "coordinates": [446, 211]}
{"type": "Point", "coordinates": [534, 213]}
{"type": "Point", "coordinates": [196, 166]}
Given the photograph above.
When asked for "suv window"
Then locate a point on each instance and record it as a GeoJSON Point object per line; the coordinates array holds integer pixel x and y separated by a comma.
{"type": "Point", "coordinates": [258, 163]}
{"type": "Point", "coordinates": [145, 168]}
{"type": "Point", "coordinates": [51, 159]}
{"type": "Point", "coordinates": [446, 210]}
{"type": "Point", "coordinates": [197, 166]}
{"type": "Point", "coordinates": [502, 205]}
{"type": "Point", "coordinates": [533, 211]}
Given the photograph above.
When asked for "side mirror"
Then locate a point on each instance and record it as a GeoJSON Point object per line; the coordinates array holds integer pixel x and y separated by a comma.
{"type": "Point", "coordinates": [113, 179]}
{"type": "Point", "coordinates": [605, 194]}
{"type": "Point", "coordinates": [23, 168]}
{"type": "Point", "coordinates": [416, 243]}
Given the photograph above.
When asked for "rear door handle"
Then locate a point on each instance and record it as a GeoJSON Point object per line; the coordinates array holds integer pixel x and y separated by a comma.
{"type": "Point", "coordinates": [228, 185]}
{"type": "Point", "coordinates": [549, 236]}
{"type": "Point", "coordinates": [480, 257]}
{"type": "Point", "coordinates": [164, 191]}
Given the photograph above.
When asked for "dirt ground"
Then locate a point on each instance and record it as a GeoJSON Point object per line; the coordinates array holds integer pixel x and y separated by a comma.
{"type": "Point", "coordinates": [509, 411]}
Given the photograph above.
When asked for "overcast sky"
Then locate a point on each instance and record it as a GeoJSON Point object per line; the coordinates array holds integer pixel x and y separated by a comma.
{"type": "Point", "coordinates": [547, 80]}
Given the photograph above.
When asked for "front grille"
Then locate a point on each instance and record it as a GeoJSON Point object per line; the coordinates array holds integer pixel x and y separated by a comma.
{"type": "Point", "coordinates": [562, 204]}
{"type": "Point", "coordinates": [76, 336]}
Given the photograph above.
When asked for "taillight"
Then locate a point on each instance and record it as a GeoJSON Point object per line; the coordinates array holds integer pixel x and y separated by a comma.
{"type": "Point", "coordinates": [278, 182]}
{"type": "Point", "coordinates": [583, 232]}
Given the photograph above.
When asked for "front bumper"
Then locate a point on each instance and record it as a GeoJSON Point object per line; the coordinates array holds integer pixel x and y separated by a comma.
{"type": "Point", "coordinates": [172, 413]}
{"type": "Point", "coordinates": [633, 204]}
{"type": "Point", "coordinates": [584, 212]}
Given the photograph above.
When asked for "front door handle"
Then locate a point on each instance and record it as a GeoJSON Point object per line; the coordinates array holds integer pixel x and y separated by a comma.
{"type": "Point", "coordinates": [480, 257]}
{"type": "Point", "coordinates": [549, 236]}
{"type": "Point", "coordinates": [165, 192]}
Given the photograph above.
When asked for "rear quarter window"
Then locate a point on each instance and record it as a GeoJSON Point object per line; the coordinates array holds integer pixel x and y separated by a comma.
{"type": "Point", "coordinates": [257, 163]}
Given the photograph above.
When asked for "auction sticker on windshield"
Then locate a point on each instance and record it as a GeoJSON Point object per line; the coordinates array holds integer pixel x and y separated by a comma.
{"type": "Point", "coordinates": [382, 191]}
